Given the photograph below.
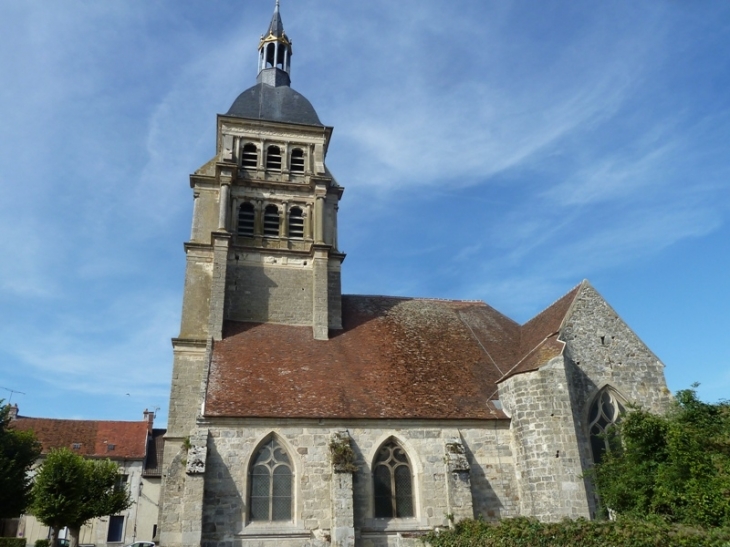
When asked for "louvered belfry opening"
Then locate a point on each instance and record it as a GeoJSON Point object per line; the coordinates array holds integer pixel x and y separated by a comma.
{"type": "Point", "coordinates": [273, 158]}
{"type": "Point", "coordinates": [392, 482]}
{"type": "Point", "coordinates": [296, 223]}
{"type": "Point", "coordinates": [246, 219]}
{"type": "Point", "coordinates": [250, 156]}
{"type": "Point", "coordinates": [297, 161]}
{"type": "Point", "coordinates": [271, 221]}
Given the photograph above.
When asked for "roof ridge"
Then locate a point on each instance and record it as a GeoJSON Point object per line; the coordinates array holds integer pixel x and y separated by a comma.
{"type": "Point", "coordinates": [528, 354]}
{"type": "Point", "coordinates": [80, 420]}
{"type": "Point", "coordinates": [546, 308]}
{"type": "Point", "coordinates": [433, 298]}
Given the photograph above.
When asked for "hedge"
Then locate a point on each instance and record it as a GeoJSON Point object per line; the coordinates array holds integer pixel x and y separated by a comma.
{"type": "Point", "coordinates": [12, 542]}
{"type": "Point", "coordinates": [525, 532]}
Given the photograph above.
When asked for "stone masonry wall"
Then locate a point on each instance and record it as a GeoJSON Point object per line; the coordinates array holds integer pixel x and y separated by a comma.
{"type": "Point", "coordinates": [196, 296]}
{"type": "Point", "coordinates": [334, 295]}
{"type": "Point", "coordinates": [232, 444]}
{"type": "Point", "coordinates": [607, 352]}
{"type": "Point", "coordinates": [269, 292]}
{"type": "Point", "coordinates": [602, 350]}
{"type": "Point", "coordinates": [547, 459]}
{"type": "Point", "coordinates": [205, 214]}
{"type": "Point", "coordinates": [190, 363]}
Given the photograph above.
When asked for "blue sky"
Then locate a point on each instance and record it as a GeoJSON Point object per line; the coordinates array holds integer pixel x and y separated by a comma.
{"type": "Point", "coordinates": [495, 150]}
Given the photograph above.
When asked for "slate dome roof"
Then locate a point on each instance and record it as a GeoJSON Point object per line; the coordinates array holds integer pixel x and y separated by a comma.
{"type": "Point", "coordinates": [278, 104]}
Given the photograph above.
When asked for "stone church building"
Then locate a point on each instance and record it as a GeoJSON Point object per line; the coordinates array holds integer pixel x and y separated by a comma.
{"type": "Point", "coordinates": [302, 416]}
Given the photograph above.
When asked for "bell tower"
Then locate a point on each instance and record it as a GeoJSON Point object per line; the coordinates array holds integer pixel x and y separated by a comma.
{"type": "Point", "coordinates": [263, 249]}
{"type": "Point", "coordinates": [265, 212]}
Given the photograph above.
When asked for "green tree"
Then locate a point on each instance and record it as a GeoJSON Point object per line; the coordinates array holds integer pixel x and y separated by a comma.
{"type": "Point", "coordinates": [675, 466]}
{"type": "Point", "coordinates": [70, 490]}
{"type": "Point", "coordinates": [18, 451]}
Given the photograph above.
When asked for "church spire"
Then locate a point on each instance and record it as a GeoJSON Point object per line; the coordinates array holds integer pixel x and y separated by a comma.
{"type": "Point", "coordinates": [275, 53]}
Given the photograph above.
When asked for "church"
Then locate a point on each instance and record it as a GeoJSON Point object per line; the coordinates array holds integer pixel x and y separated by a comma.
{"type": "Point", "coordinates": [300, 416]}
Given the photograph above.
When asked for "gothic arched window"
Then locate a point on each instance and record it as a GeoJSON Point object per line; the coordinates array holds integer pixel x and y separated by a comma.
{"type": "Point", "coordinates": [250, 155]}
{"type": "Point", "coordinates": [605, 412]}
{"type": "Point", "coordinates": [273, 158]}
{"type": "Point", "coordinates": [271, 481]}
{"type": "Point", "coordinates": [297, 161]}
{"type": "Point", "coordinates": [246, 220]}
{"type": "Point", "coordinates": [271, 221]}
{"type": "Point", "coordinates": [392, 482]}
{"type": "Point", "coordinates": [296, 223]}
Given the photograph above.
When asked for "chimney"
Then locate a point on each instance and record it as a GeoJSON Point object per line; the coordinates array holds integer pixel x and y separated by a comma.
{"type": "Point", "coordinates": [13, 411]}
{"type": "Point", "coordinates": [149, 418]}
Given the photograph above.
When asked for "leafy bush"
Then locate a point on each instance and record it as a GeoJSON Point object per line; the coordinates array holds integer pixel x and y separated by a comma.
{"type": "Point", "coordinates": [12, 542]}
{"type": "Point", "coordinates": [42, 543]}
{"type": "Point", "coordinates": [675, 466]}
{"type": "Point", "coordinates": [524, 532]}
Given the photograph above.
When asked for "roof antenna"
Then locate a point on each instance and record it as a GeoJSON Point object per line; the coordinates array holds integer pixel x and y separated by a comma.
{"type": "Point", "coordinates": [13, 391]}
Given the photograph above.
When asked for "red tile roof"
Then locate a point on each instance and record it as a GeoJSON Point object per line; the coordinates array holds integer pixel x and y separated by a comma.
{"type": "Point", "coordinates": [395, 358]}
{"type": "Point", "coordinates": [539, 336]}
{"type": "Point", "coordinates": [115, 440]}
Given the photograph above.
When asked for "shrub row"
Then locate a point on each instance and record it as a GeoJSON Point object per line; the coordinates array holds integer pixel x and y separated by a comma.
{"type": "Point", "coordinates": [12, 542]}
{"type": "Point", "coordinates": [525, 532]}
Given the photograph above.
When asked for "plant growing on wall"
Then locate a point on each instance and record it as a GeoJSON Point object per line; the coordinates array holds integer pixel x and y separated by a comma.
{"type": "Point", "coordinates": [342, 454]}
{"type": "Point", "coordinates": [70, 490]}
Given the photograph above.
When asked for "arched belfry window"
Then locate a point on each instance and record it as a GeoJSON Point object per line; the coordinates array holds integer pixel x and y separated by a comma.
{"type": "Point", "coordinates": [250, 155]}
{"type": "Point", "coordinates": [273, 158]}
{"type": "Point", "coordinates": [296, 223]}
{"type": "Point", "coordinates": [605, 412]}
{"type": "Point", "coordinates": [246, 217]}
{"type": "Point", "coordinates": [271, 221]}
{"type": "Point", "coordinates": [270, 55]}
{"type": "Point", "coordinates": [392, 482]}
{"type": "Point", "coordinates": [297, 161]}
{"type": "Point", "coordinates": [271, 481]}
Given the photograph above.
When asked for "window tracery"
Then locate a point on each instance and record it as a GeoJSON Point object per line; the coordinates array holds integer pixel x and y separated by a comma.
{"type": "Point", "coordinates": [605, 412]}
{"type": "Point", "coordinates": [271, 480]}
{"type": "Point", "coordinates": [392, 482]}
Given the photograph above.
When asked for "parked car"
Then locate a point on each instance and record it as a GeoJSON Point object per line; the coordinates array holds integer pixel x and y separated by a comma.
{"type": "Point", "coordinates": [141, 544]}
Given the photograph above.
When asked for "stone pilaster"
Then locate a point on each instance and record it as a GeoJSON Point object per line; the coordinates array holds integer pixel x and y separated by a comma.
{"type": "Point", "coordinates": [191, 510]}
{"type": "Point", "coordinates": [343, 509]}
{"type": "Point", "coordinates": [458, 479]}
{"type": "Point", "coordinates": [320, 298]}
{"type": "Point", "coordinates": [343, 517]}
{"type": "Point", "coordinates": [221, 242]}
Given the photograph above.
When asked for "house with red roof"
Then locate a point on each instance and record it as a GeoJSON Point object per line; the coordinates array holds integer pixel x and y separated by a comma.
{"type": "Point", "coordinates": [300, 416]}
{"type": "Point", "coordinates": [136, 447]}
